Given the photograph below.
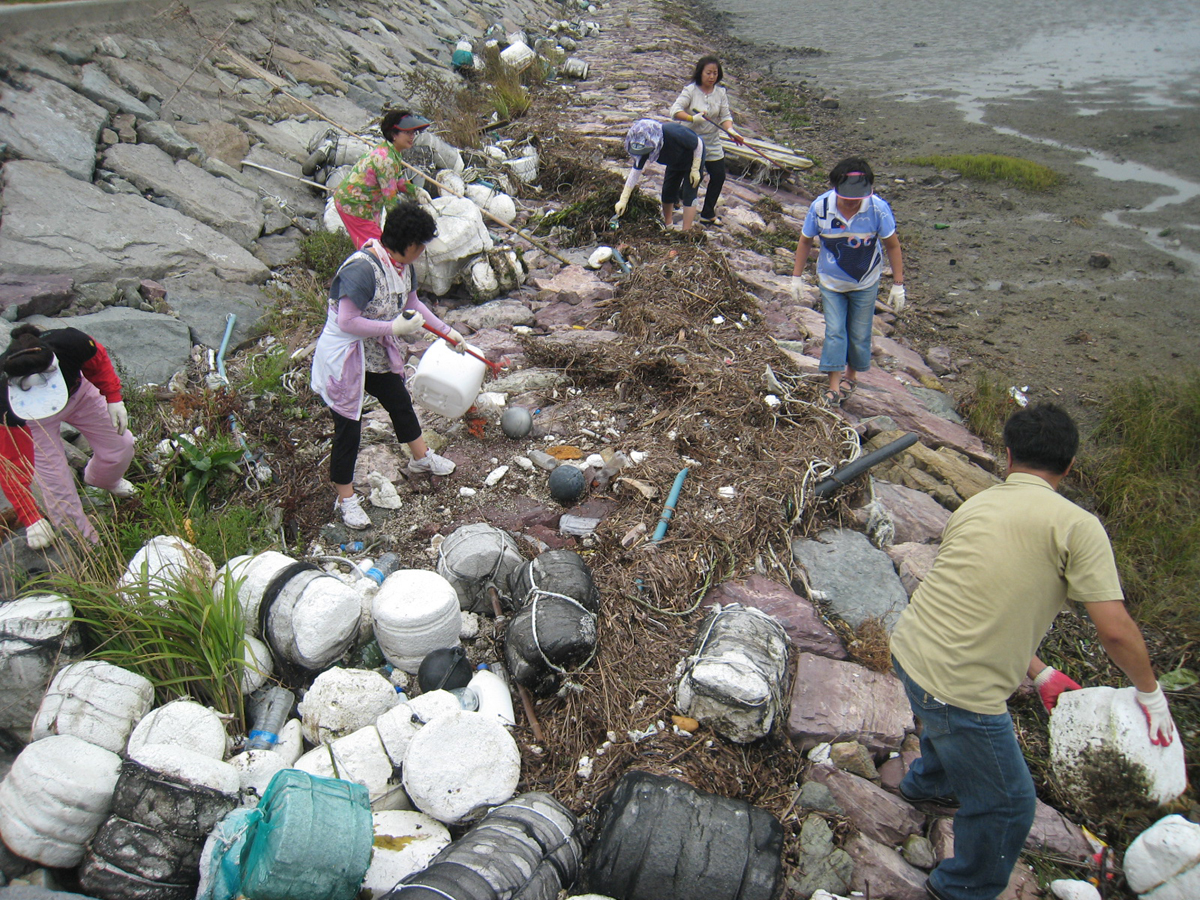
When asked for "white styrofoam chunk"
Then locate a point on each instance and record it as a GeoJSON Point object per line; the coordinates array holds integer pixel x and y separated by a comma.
{"type": "Point", "coordinates": [57, 794]}
{"type": "Point", "coordinates": [399, 726]}
{"type": "Point", "coordinates": [182, 723]}
{"type": "Point", "coordinates": [1070, 889]}
{"type": "Point", "coordinates": [324, 622]}
{"type": "Point", "coordinates": [291, 742]}
{"type": "Point", "coordinates": [27, 625]}
{"type": "Point", "coordinates": [459, 765]}
{"type": "Point", "coordinates": [95, 701]}
{"type": "Point", "coordinates": [499, 204]}
{"type": "Point", "coordinates": [1168, 848]}
{"type": "Point", "coordinates": [189, 767]}
{"type": "Point", "coordinates": [405, 842]}
{"type": "Point", "coordinates": [250, 575]}
{"type": "Point", "coordinates": [255, 770]}
{"type": "Point", "coordinates": [341, 701]}
{"type": "Point", "coordinates": [1104, 719]}
{"type": "Point", "coordinates": [358, 757]}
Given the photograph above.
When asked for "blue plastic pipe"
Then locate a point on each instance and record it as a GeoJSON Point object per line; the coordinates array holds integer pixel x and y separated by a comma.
{"type": "Point", "coordinates": [229, 320]}
{"type": "Point", "coordinates": [669, 510]}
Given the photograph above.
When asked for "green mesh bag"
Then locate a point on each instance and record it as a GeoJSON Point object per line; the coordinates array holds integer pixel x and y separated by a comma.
{"type": "Point", "coordinates": [314, 840]}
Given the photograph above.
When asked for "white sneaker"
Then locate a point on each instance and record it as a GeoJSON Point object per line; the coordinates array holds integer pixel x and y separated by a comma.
{"type": "Point", "coordinates": [122, 490]}
{"type": "Point", "coordinates": [352, 513]}
{"type": "Point", "coordinates": [430, 464]}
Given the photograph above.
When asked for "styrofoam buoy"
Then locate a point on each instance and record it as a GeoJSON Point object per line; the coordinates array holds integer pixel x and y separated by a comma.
{"type": "Point", "coordinates": [182, 723]}
{"type": "Point", "coordinates": [460, 764]}
{"type": "Point", "coordinates": [311, 617]}
{"type": "Point", "coordinates": [1099, 722]}
{"type": "Point", "coordinates": [452, 182]}
{"type": "Point", "coordinates": [529, 847]}
{"type": "Point", "coordinates": [734, 678]}
{"type": "Point", "coordinates": [499, 204]}
{"type": "Point", "coordinates": [405, 842]}
{"type": "Point", "coordinates": [399, 726]}
{"type": "Point", "coordinates": [258, 664]}
{"type": "Point", "coordinates": [341, 701]}
{"type": "Point", "coordinates": [165, 561]}
{"type": "Point", "coordinates": [476, 558]}
{"type": "Point", "coordinates": [525, 168]}
{"type": "Point", "coordinates": [187, 767]}
{"type": "Point", "coordinates": [249, 576]}
{"type": "Point", "coordinates": [95, 701]}
{"type": "Point", "coordinates": [37, 635]}
{"type": "Point", "coordinates": [415, 611]}
{"type": "Point", "coordinates": [1163, 862]}
{"type": "Point", "coordinates": [55, 797]}
{"type": "Point", "coordinates": [359, 757]}
{"type": "Point", "coordinates": [566, 484]}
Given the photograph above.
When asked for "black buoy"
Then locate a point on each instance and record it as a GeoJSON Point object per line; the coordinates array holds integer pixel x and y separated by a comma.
{"type": "Point", "coordinates": [566, 484]}
{"type": "Point", "coordinates": [444, 670]}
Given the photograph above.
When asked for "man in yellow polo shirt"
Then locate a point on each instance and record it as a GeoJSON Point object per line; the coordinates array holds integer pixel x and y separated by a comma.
{"type": "Point", "coordinates": [1011, 557]}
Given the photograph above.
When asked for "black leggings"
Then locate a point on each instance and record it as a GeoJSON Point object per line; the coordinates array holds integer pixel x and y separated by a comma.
{"type": "Point", "coordinates": [388, 388]}
{"type": "Point", "coordinates": [716, 181]}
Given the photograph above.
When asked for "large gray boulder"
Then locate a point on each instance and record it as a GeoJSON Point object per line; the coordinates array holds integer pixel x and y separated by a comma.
{"type": "Point", "coordinates": [43, 120]}
{"type": "Point", "coordinates": [99, 88]}
{"type": "Point", "coordinates": [231, 210]}
{"type": "Point", "coordinates": [148, 348]}
{"type": "Point", "coordinates": [857, 580]}
{"type": "Point", "coordinates": [54, 223]}
{"type": "Point", "coordinates": [204, 304]}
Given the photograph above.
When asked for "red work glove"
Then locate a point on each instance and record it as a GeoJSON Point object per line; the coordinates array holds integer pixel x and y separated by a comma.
{"type": "Point", "coordinates": [1050, 683]}
{"type": "Point", "coordinates": [1158, 717]}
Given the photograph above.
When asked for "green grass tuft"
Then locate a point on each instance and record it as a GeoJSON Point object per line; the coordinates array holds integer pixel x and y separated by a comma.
{"type": "Point", "coordinates": [324, 252]}
{"type": "Point", "coordinates": [1024, 174]}
{"type": "Point", "coordinates": [1143, 474]}
{"type": "Point", "coordinates": [988, 408]}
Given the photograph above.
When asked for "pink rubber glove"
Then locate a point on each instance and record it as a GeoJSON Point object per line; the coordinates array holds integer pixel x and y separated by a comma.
{"type": "Point", "coordinates": [1050, 683]}
{"type": "Point", "coordinates": [1158, 717]}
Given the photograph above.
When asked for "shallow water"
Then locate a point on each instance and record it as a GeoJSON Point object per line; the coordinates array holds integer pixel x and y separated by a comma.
{"type": "Point", "coordinates": [1026, 61]}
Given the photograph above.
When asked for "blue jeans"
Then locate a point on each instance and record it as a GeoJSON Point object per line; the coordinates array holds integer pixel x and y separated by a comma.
{"type": "Point", "coordinates": [977, 759]}
{"type": "Point", "coordinates": [848, 320]}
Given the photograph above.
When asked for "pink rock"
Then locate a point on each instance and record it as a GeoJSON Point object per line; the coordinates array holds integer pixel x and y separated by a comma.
{"type": "Point", "coordinates": [575, 284]}
{"type": "Point", "coordinates": [1022, 885]}
{"type": "Point", "coordinates": [941, 836]}
{"type": "Point", "coordinates": [901, 358]}
{"type": "Point", "coordinates": [913, 562]}
{"type": "Point", "coordinates": [36, 295]}
{"type": "Point", "coordinates": [1054, 833]}
{"type": "Point", "coordinates": [881, 394]}
{"type": "Point", "coordinates": [876, 813]}
{"type": "Point", "coordinates": [566, 315]}
{"type": "Point", "coordinates": [151, 291]}
{"type": "Point", "coordinates": [515, 512]}
{"type": "Point", "coordinates": [843, 701]}
{"type": "Point", "coordinates": [765, 284]}
{"type": "Point", "coordinates": [892, 772]}
{"type": "Point", "coordinates": [804, 627]}
{"type": "Point", "coordinates": [917, 516]}
{"type": "Point", "coordinates": [883, 871]}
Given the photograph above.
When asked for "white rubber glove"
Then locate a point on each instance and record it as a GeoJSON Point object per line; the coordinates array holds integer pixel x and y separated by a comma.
{"type": "Point", "coordinates": [408, 322]}
{"type": "Point", "coordinates": [797, 288]}
{"type": "Point", "coordinates": [623, 203]}
{"type": "Point", "coordinates": [896, 298]}
{"type": "Point", "coordinates": [422, 197]}
{"type": "Point", "coordinates": [1158, 717]}
{"type": "Point", "coordinates": [455, 340]}
{"type": "Point", "coordinates": [694, 178]}
{"type": "Point", "coordinates": [119, 417]}
{"type": "Point", "coordinates": [39, 535]}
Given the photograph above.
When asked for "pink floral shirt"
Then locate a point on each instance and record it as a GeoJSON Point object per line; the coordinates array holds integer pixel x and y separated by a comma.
{"type": "Point", "coordinates": [375, 182]}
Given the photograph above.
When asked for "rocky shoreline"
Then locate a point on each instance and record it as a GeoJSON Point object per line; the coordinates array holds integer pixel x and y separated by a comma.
{"type": "Point", "coordinates": [152, 250]}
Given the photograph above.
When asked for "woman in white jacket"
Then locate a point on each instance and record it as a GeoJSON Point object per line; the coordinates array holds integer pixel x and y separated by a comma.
{"type": "Point", "coordinates": [373, 302]}
{"type": "Point", "coordinates": [700, 104]}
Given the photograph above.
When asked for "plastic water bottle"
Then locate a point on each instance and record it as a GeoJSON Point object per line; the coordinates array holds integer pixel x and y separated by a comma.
{"type": "Point", "coordinates": [384, 566]}
{"type": "Point", "coordinates": [495, 699]}
{"type": "Point", "coordinates": [467, 698]}
{"type": "Point", "coordinates": [353, 547]}
{"type": "Point", "coordinates": [274, 714]}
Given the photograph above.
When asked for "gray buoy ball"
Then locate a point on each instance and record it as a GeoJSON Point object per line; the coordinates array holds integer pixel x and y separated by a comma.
{"type": "Point", "coordinates": [516, 423]}
{"type": "Point", "coordinates": [566, 484]}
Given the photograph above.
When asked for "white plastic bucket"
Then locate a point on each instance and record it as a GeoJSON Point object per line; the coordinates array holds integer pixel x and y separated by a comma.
{"type": "Point", "coordinates": [518, 56]}
{"type": "Point", "coordinates": [447, 382]}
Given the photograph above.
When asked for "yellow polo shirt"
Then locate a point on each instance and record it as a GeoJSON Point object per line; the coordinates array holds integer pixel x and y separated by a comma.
{"type": "Point", "coordinates": [1011, 557]}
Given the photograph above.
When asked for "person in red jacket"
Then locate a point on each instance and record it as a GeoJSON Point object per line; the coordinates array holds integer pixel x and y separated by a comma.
{"type": "Point", "coordinates": [16, 474]}
{"type": "Point", "coordinates": [51, 377]}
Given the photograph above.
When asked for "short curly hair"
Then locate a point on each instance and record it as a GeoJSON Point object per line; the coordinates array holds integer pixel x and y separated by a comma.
{"type": "Point", "coordinates": [407, 224]}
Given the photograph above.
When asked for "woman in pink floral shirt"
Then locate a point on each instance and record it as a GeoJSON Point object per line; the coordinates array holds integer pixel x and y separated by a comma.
{"type": "Point", "coordinates": [377, 180]}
